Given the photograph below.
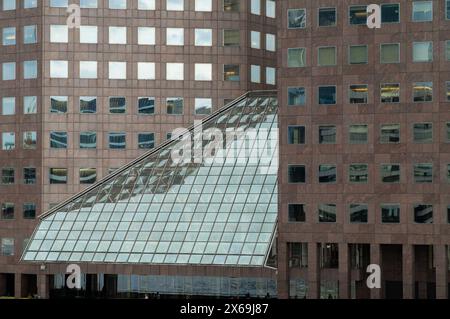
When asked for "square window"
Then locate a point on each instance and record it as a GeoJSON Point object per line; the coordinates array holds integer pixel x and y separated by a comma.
{"type": "Point", "coordinates": [58, 104]}
{"type": "Point", "coordinates": [88, 175]}
{"type": "Point", "coordinates": [58, 175]}
{"type": "Point", "coordinates": [255, 73]}
{"type": "Point", "coordinates": [28, 4]}
{"type": "Point", "coordinates": [296, 174]}
{"type": "Point", "coordinates": [117, 35]}
{"type": "Point", "coordinates": [423, 132]}
{"type": "Point", "coordinates": [422, 51]}
{"type": "Point", "coordinates": [8, 176]}
{"type": "Point", "coordinates": [231, 72]}
{"type": "Point", "coordinates": [390, 92]}
{"type": "Point", "coordinates": [175, 71]}
{"type": "Point", "coordinates": [327, 17]}
{"type": "Point", "coordinates": [422, 11]}
{"type": "Point", "coordinates": [296, 18]}
{"type": "Point", "coordinates": [423, 173]}
{"type": "Point", "coordinates": [296, 96]}
{"type": "Point", "coordinates": [327, 174]}
{"type": "Point", "coordinates": [88, 140]}
{"type": "Point", "coordinates": [358, 213]}
{"type": "Point", "coordinates": [117, 140]}
{"type": "Point", "coordinates": [255, 7]}
{"type": "Point", "coordinates": [231, 38]}
{"type": "Point", "coordinates": [146, 70]}
{"type": "Point", "coordinates": [203, 37]}
{"type": "Point", "coordinates": [88, 69]}
{"type": "Point", "coordinates": [88, 4]}
{"type": "Point", "coordinates": [175, 36]}
{"type": "Point", "coordinates": [203, 5]}
{"type": "Point", "coordinates": [358, 173]}
{"type": "Point", "coordinates": [29, 210]}
{"type": "Point", "coordinates": [327, 134]}
{"type": "Point", "coordinates": [358, 94]}
{"type": "Point", "coordinates": [8, 71]}
{"type": "Point", "coordinates": [203, 106]}
{"type": "Point", "coordinates": [423, 214]}
{"type": "Point", "coordinates": [296, 213]}
{"type": "Point", "coordinates": [117, 105]}
{"type": "Point", "coordinates": [29, 140]}
{"type": "Point", "coordinates": [174, 105]}
{"type": "Point", "coordinates": [358, 54]}
{"type": "Point", "coordinates": [146, 140]}
{"type": "Point", "coordinates": [327, 213]}
{"type": "Point", "coordinates": [390, 173]}
{"type": "Point", "coordinates": [203, 72]}
{"type": "Point", "coordinates": [88, 34]}
{"type": "Point", "coordinates": [270, 42]}
{"type": "Point", "coordinates": [146, 4]}
{"type": "Point", "coordinates": [270, 75]}
{"type": "Point", "coordinates": [59, 33]}
{"type": "Point", "coordinates": [255, 40]}
{"type": "Point", "coordinates": [390, 13]}
{"type": "Point", "coordinates": [30, 34]}
{"type": "Point", "coordinates": [270, 9]}
{"type": "Point", "coordinates": [296, 134]}
{"type": "Point", "coordinates": [58, 139]}
{"type": "Point", "coordinates": [390, 53]}
{"type": "Point", "coordinates": [146, 35]}
{"type": "Point", "coordinates": [296, 57]}
{"type": "Point", "coordinates": [29, 105]}
{"type": "Point", "coordinates": [326, 56]}
{"type": "Point", "coordinates": [357, 15]}
{"type": "Point", "coordinates": [8, 106]}
{"type": "Point", "coordinates": [59, 69]}
{"type": "Point", "coordinates": [327, 95]}
{"type": "Point", "coordinates": [117, 4]}
{"type": "Point", "coordinates": [117, 70]}
{"type": "Point", "coordinates": [175, 5]}
{"type": "Point", "coordinates": [423, 91]}
{"type": "Point", "coordinates": [390, 213]}
{"type": "Point", "coordinates": [390, 133]}
{"type": "Point", "coordinates": [231, 5]}
{"type": "Point", "coordinates": [8, 141]}
{"type": "Point", "coordinates": [59, 3]}
{"type": "Point", "coordinates": [88, 104]}
{"type": "Point", "coordinates": [29, 175]}
{"type": "Point", "coordinates": [146, 105]}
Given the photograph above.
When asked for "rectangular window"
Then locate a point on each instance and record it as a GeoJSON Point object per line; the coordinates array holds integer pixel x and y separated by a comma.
{"type": "Point", "coordinates": [447, 125]}
{"type": "Point", "coordinates": [390, 133]}
{"type": "Point", "coordinates": [296, 18]}
{"type": "Point", "coordinates": [203, 72]}
{"type": "Point", "coordinates": [8, 176]}
{"type": "Point", "coordinates": [88, 140]}
{"type": "Point", "coordinates": [423, 214]}
{"type": "Point", "coordinates": [390, 92]}
{"type": "Point", "coordinates": [29, 104]}
{"type": "Point", "coordinates": [9, 36]}
{"type": "Point", "coordinates": [447, 91]}
{"type": "Point", "coordinates": [146, 140]}
{"type": "Point", "coordinates": [423, 173]}
{"type": "Point", "coordinates": [390, 53]}
{"type": "Point", "coordinates": [296, 213]}
{"type": "Point", "coordinates": [175, 71]}
{"type": "Point", "coordinates": [326, 56]}
{"type": "Point", "coordinates": [231, 38]}
{"type": "Point", "coordinates": [146, 105]}
{"type": "Point", "coordinates": [175, 5]}
{"type": "Point", "coordinates": [29, 140]}
{"type": "Point", "coordinates": [146, 4]}
{"type": "Point", "coordinates": [88, 69]}
{"type": "Point", "coordinates": [327, 134]}
{"type": "Point", "coordinates": [296, 134]}
{"type": "Point", "coordinates": [203, 106]}
{"type": "Point", "coordinates": [327, 174]}
{"type": "Point", "coordinates": [231, 72]}
{"type": "Point", "coordinates": [58, 3]}
{"type": "Point", "coordinates": [117, 105]}
{"type": "Point", "coordinates": [28, 4]}
{"type": "Point", "coordinates": [7, 246]}
{"type": "Point", "coordinates": [255, 73]}
{"type": "Point", "coordinates": [296, 57]}
{"type": "Point", "coordinates": [296, 96]}
{"type": "Point", "coordinates": [8, 106]}
{"type": "Point", "coordinates": [7, 211]}
{"type": "Point", "coordinates": [390, 213]}
{"type": "Point", "coordinates": [117, 4]}
{"type": "Point", "coordinates": [58, 104]}
{"type": "Point", "coordinates": [327, 213]}
{"type": "Point", "coordinates": [270, 42]}
{"type": "Point", "coordinates": [390, 13]}
{"type": "Point", "coordinates": [255, 40]}
{"type": "Point", "coordinates": [423, 51]}
{"type": "Point", "coordinates": [59, 33]}
{"type": "Point", "coordinates": [59, 69]}
{"type": "Point", "coordinates": [270, 9]}
{"type": "Point", "coordinates": [423, 91]}
{"type": "Point", "coordinates": [29, 175]}
{"type": "Point", "coordinates": [203, 5]}
{"type": "Point", "coordinates": [8, 71]}
{"type": "Point", "coordinates": [203, 37]}
{"type": "Point", "coordinates": [358, 94]}
{"type": "Point", "coordinates": [358, 54]}
{"type": "Point", "coordinates": [30, 69]}
{"type": "Point", "coordinates": [117, 140]}
{"type": "Point", "coordinates": [270, 75]}
{"type": "Point", "coordinates": [8, 141]}
{"type": "Point", "coordinates": [255, 7]}
{"type": "Point", "coordinates": [296, 174]}
{"type": "Point", "coordinates": [174, 105]}
{"type": "Point", "coordinates": [357, 15]}
{"type": "Point", "coordinates": [390, 173]}
{"type": "Point", "coordinates": [30, 34]}
{"type": "Point", "coordinates": [88, 34]}
{"type": "Point", "coordinates": [146, 35]}
{"type": "Point", "coordinates": [358, 173]}
{"type": "Point", "coordinates": [423, 132]}
{"type": "Point", "coordinates": [327, 17]}
{"type": "Point", "coordinates": [88, 4]}
{"type": "Point", "coordinates": [58, 139]}
{"type": "Point", "coordinates": [58, 175]}
{"type": "Point", "coordinates": [327, 95]}
{"type": "Point", "coordinates": [175, 36]}
{"type": "Point", "coordinates": [88, 104]}
{"type": "Point", "coordinates": [358, 213]}
{"type": "Point", "coordinates": [231, 5]}
{"type": "Point", "coordinates": [422, 11]}
{"type": "Point", "coordinates": [117, 35]}
{"type": "Point", "coordinates": [298, 255]}
{"type": "Point", "coordinates": [88, 175]}
{"type": "Point", "coordinates": [146, 70]}
{"type": "Point", "coordinates": [447, 9]}
{"type": "Point", "coordinates": [29, 210]}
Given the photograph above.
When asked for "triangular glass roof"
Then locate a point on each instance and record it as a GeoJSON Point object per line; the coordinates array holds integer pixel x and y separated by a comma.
{"type": "Point", "coordinates": [219, 210]}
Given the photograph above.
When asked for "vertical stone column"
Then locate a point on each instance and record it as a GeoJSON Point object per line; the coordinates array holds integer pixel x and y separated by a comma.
{"type": "Point", "coordinates": [441, 263]}
{"type": "Point", "coordinates": [283, 271]}
{"type": "Point", "coordinates": [313, 271]}
{"type": "Point", "coordinates": [375, 258]}
{"type": "Point", "coordinates": [42, 286]}
{"type": "Point", "coordinates": [17, 285]}
{"type": "Point", "coordinates": [344, 272]}
{"type": "Point", "coordinates": [408, 271]}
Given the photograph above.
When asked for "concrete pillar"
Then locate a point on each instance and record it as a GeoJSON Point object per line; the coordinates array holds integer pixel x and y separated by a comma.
{"type": "Point", "coordinates": [408, 271]}
{"type": "Point", "coordinates": [375, 258]}
{"type": "Point", "coordinates": [313, 272]}
{"type": "Point", "coordinates": [441, 263]}
{"type": "Point", "coordinates": [42, 286]}
{"type": "Point", "coordinates": [17, 285]}
{"type": "Point", "coordinates": [283, 271]}
{"type": "Point", "coordinates": [344, 272]}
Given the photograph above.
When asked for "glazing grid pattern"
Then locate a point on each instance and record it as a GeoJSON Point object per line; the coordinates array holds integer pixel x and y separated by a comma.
{"type": "Point", "coordinates": [157, 212]}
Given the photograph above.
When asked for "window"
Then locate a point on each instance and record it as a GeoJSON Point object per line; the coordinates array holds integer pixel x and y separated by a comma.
{"type": "Point", "coordinates": [296, 174]}
{"type": "Point", "coordinates": [203, 106]}
{"type": "Point", "coordinates": [59, 69]}
{"type": "Point", "coordinates": [203, 37]}
{"type": "Point", "coordinates": [327, 213]}
{"type": "Point", "coordinates": [174, 71]}
{"type": "Point", "coordinates": [118, 4]}
{"type": "Point", "coordinates": [8, 106]}
{"type": "Point", "coordinates": [296, 57]}
{"type": "Point", "coordinates": [29, 175]}
{"type": "Point", "coordinates": [390, 13]}
{"type": "Point", "coordinates": [8, 71]}
{"type": "Point", "coordinates": [231, 38]}
{"type": "Point", "coordinates": [117, 105]}
{"type": "Point", "coordinates": [255, 7]}
{"type": "Point", "coordinates": [58, 3]}
{"type": "Point", "coordinates": [448, 132]}
{"type": "Point", "coordinates": [174, 105]}
{"type": "Point", "coordinates": [422, 11]}
{"type": "Point", "coordinates": [358, 133]}
{"type": "Point", "coordinates": [358, 173]}
{"type": "Point", "coordinates": [358, 54]}
{"type": "Point", "coordinates": [390, 173]}
{"type": "Point", "coordinates": [29, 140]}
{"type": "Point", "coordinates": [423, 91]}
{"type": "Point", "coordinates": [9, 5]}
{"type": "Point", "coordinates": [29, 211]}
{"type": "Point", "coordinates": [146, 70]}
{"type": "Point", "coordinates": [7, 211]}
{"type": "Point", "coordinates": [146, 105]}
{"type": "Point", "coordinates": [146, 35]}
{"type": "Point", "coordinates": [8, 176]}
{"type": "Point", "coordinates": [327, 134]}
{"type": "Point", "coordinates": [296, 18]}
{"type": "Point", "coordinates": [390, 133]}
{"type": "Point", "coordinates": [29, 104]}
{"type": "Point", "coordinates": [447, 91]}
{"type": "Point", "coordinates": [117, 70]}
{"type": "Point", "coordinates": [88, 175]}
{"type": "Point", "coordinates": [327, 17]}
{"type": "Point", "coordinates": [390, 93]}
{"type": "Point", "coordinates": [296, 213]}
{"type": "Point", "coordinates": [358, 213]}
{"type": "Point", "coordinates": [270, 75]}
{"type": "Point", "coordinates": [390, 213]}
{"type": "Point", "coordinates": [88, 140]}
{"type": "Point", "coordinates": [270, 42]}
{"type": "Point", "coordinates": [327, 94]}
{"type": "Point", "coordinates": [29, 70]}
{"type": "Point", "coordinates": [231, 5]}
{"type": "Point", "coordinates": [358, 15]}
{"type": "Point", "coordinates": [58, 104]}
{"type": "Point", "coordinates": [175, 36]}
{"type": "Point", "coordinates": [175, 5]}
{"type": "Point", "coordinates": [59, 33]}
{"type": "Point", "coordinates": [88, 69]}
{"type": "Point", "coordinates": [28, 4]}
{"type": "Point", "coordinates": [9, 36]}
{"type": "Point", "coordinates": [146, 4]}
{"type": "Point", "coordinates": [88, 4]}
{"type": "Point", "coordinates": [231, 72]}
{"type": "Point", "coordinates": [117, 140]}
{"type": "Point", "coordinates": [296, 134]}
{"type": "Point", "coordinates": [270, 9]}
{"type": "Point", "coordinates": [146, 140]}
{"type": "Point", "coordinates": [327, 174]}
{"type": "Point", "coordinates": [390, 53]}
{"type": "Point", "coordinates": [169, 136]}
{"type": "Point", "coordinates": [58, 175]}
{"type": "Point", "coordinates": [423, 51]}
{"type": "Point", "coordinates": [8, 141]}
{"type": "Point", "coordinates": [296, 96]}
{"type": "Point", "coordinates": [58, 139]}
{"type": "Point", "coordinates": [203, 5]}
{"type": "Point", "coordinates": [203, 72]}
{"type": "Point", "coordinates": [7, 246]}
{"type": "Point", "coordinates": [326, 56]}
{"type": "Point", "coordinates": [255, 40]}
{"type": "Point", "coordinates": [88, 104]}
{"type": "Point", "coordinates": [358, 94]}
{"type": "Point", "coordinates": [255, 73]}
{"type": "Point", "coordinates": [423, 173]}
{"type": "Point", "coordinates": [423, 214]}
{"type": "Point", "coordinates": [88, 34]}
{"type": "Point", "coordinates": [117, 35]}
{"type": "Point", "coordinates": [423, 132]}
{"type": "Point", "coordinates": [30, 34]}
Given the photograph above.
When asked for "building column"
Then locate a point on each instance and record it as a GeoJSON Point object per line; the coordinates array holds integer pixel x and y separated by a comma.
{"type": "Point", "coordinates": [42, 286]}
{"type": "Point", "coordinates": [440, 261]}
{"type": "Point", "coordinates": [408, 271]}
{"type": "Point", "coordinates": [375, 258]}
{"type": "Point", "coordinates": [344, 272]}
{"type": "Point", "coordinates": [17, 285]}
{"type": "Point", "coordinates": [313, 271]}
{"type": "Point", "coordinates": [283, 271]}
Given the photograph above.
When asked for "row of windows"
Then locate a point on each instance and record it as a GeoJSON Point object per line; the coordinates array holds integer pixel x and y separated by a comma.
{"type": "Point", "coordinates": [59, 69]}
{"type": "Point", "coordinates": [358, 213]}
{"type": "Point", "coordinates": [359, 54]}
{"type": "Point", "coordinates": [358, 173]}
{"type": "Point", "coordinates": [8, 176]}
{"type": "Point", "coordinates": [422, 11]}
{"type": "Point", "coordinates": [8, 211]}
